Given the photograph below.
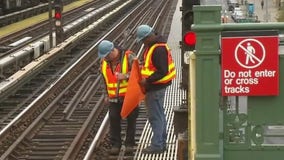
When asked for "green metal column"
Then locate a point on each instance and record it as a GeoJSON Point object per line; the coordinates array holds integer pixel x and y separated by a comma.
{"type": "Point", "coordinates": [260, 126]}
{"type": "Point", "coordinates": [207, 26]}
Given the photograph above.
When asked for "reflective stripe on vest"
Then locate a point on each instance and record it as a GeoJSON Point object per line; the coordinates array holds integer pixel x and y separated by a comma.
{"type": "Point", "coordinates": [110, 77]}
{"type": "Point", "coordinates": [148, 68]}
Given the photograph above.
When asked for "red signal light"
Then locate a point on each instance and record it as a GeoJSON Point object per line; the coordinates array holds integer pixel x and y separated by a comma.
{"type": "Point", "coordinates": [57, 15]}
{"type": "Point", "coordinates": [189, 38]}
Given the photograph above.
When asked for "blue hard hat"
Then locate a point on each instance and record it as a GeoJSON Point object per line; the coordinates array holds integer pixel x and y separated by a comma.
{"type": "Point", "coordinates": [105, 47]}
{"type": "Point", "coordinates": [143, 31]}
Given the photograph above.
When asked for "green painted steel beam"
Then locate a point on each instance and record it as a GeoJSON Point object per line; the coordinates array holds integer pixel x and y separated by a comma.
{"type": "Point", "coordinates": [207, 82]}
{"type": "Point", "coordinates": [237, 27]}
{"type": "Point", "coordinates": [211, 141]}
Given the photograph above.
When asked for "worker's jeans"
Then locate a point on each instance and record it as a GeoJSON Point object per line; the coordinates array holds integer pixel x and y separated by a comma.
{"type": "Point", "coordinates": [115, 125]}
{"type": "Point", "coordinates": [155, 110]}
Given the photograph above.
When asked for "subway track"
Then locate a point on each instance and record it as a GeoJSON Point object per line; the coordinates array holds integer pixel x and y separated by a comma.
{"type": "Point", "coordinates": [17, 16]}
{"type": "Point", "coordinates": [56, 113]}
{"type": "Point", "coordinates": [34, 33]}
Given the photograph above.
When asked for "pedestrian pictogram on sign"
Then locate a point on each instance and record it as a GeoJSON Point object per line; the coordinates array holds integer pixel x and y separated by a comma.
{"type": "Point", "coordinates": [253, 52]}
{"type": "Point", "coordinates": [250, 63]}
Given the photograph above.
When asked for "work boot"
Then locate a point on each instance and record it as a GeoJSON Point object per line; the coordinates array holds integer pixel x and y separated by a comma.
{"type": "Point", "coordinates": [151, 150]}
{"type": "Point", "coordinates": [114, 150]}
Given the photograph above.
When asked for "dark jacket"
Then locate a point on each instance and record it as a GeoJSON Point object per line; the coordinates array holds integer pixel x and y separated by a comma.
{"type": "Point", "coordinates": [160, 61]}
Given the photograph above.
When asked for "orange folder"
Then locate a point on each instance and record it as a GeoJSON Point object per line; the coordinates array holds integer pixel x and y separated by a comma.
{"type": "Point", "coordinates": [134, 94]}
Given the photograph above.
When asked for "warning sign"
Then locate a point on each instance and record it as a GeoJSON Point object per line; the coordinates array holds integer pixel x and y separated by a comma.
{"type": "Point", "coordinates": [250, 63]}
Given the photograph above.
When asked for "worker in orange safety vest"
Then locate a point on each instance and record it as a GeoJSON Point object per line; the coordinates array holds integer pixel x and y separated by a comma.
{"type": "Point", "coordinates": [158, 71]}
{"type": "Point", "coordinates": [115, 67]}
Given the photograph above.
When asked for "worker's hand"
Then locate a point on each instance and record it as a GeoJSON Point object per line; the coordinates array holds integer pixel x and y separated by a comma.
{"type": "Point", "coordinates": [143, 82]}
{"type": "Point", "coordinates": [106, 101]}
{"type": "Point", "coordinates": [121, 76]}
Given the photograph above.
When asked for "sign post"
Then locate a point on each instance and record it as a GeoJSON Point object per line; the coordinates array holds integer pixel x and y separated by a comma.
{"type": "Point", "coordinates": [250, 63]}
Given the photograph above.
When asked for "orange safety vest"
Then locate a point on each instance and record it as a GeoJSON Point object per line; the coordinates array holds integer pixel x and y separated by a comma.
{"type": "Point", "coordinates": [110, 77]}
{"type": "Point", "coordinates": [148, 67]}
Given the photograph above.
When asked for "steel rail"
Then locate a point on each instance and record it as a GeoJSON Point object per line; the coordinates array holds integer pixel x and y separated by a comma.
{"type": "Point", "coordinates": [30, 68]}
{"type": "Point", "coordinates": [5, 129]}
{"type": "Point", "coordinates": [16, 57]}
{"type": "Point", "coordinates": [97, 138]}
